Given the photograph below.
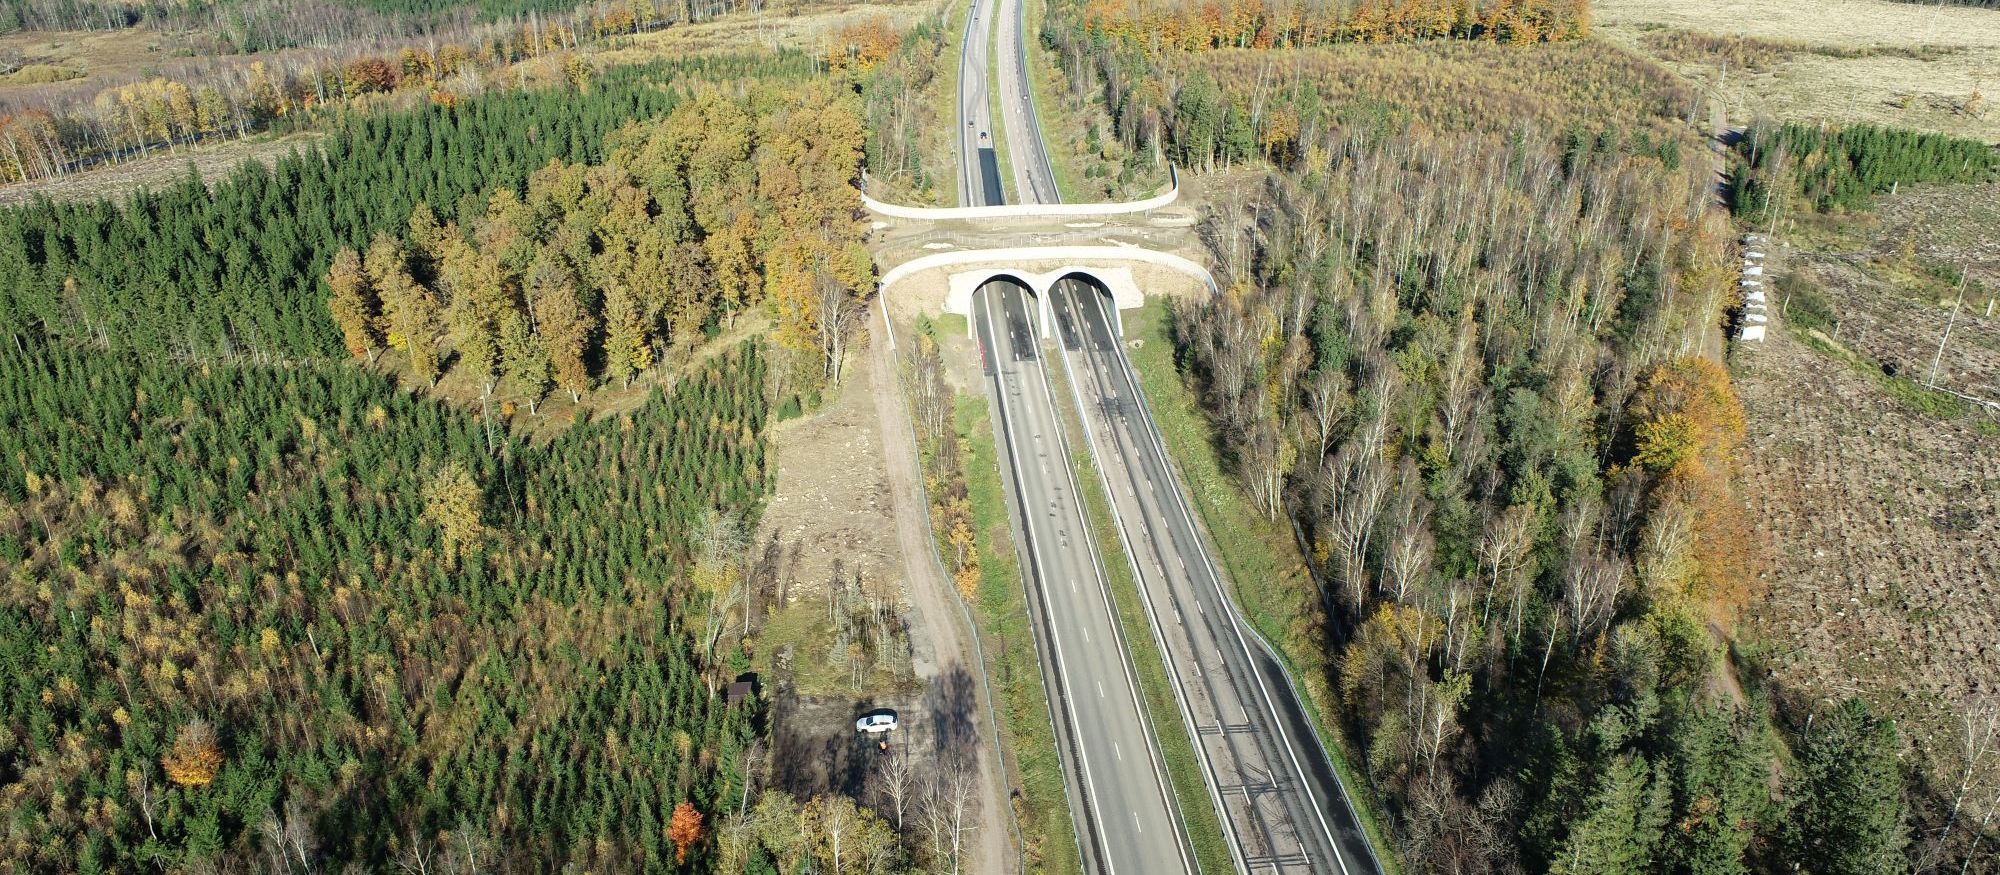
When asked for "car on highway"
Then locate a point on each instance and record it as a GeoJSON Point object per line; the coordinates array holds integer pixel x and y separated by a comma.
{"type": "Point", "coordinates": [876, 721]}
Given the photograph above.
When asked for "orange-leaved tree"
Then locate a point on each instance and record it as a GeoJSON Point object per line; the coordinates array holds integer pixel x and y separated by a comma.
{"type": "Point", "coordinates": [1688, 434]}
{"type": "Point", "coordinates": [685, 831]}
{"type": "Point", "coordinates": [352, 303]}
{"type": "Point", "coordinates": [195, 757]}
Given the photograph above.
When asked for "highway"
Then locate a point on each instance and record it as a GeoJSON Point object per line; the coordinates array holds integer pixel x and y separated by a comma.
{"type": "Point", "coordinates": [1033, 177]}
{"type": "Point", "coordinates": [979, 169]}
{"type": "Point", "coordinates": [1124, 811]}
{"type": "Point", "coordinates": [1119, 793]}
{"type": "Point", "coordinates": [1283, 809]}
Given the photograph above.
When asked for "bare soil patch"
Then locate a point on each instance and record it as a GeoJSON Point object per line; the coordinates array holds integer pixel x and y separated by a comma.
{"type": "Point", "coordinates": [1890, 279]}
{"type": "Point", "coordinates": [1884, 526]}
{"type": "Point", "coordinates": [1958, 225]}
{"type": "Point", "coordinates": [776, 28]}
{"type": "Point", "coordinates": [1847, 60]}
{"type": "Point", "coordinates": [1880, 501]}
{"type": "Point", "coordinates": [165, 168]}
{"type": "Point", "coordinates": [832, 500]}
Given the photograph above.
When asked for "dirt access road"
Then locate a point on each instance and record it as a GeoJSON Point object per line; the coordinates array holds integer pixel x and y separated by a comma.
{"type": "Point", "coordinates": [955, 708]}
{"type": "Point", "coordinates": [849, 506]}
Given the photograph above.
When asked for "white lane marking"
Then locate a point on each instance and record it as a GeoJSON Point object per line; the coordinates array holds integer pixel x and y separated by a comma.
{"type": "Point", "coordinates": [1055, 635]}
{"type": "Point", "coordinates": [1100, 689]}
{"type": "Point", "coordinates": [1119, 751]}
{"type": "Point", "coordinates": [1235, 627]}
{"type": "Point", "coordinates": [1135, 822]}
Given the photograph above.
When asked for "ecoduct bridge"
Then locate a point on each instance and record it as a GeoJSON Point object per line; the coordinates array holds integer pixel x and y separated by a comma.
{"type": "Point", "coordinates": [933, 258]}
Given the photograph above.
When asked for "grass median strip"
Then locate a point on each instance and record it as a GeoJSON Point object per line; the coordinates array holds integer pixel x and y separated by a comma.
{"type": "Point", "coordinates": [1048, 105]}
{"type": "Point", "coordinates": [1211, 848]}
{"type": "Point", "coordinates": [1259, 557]}
{"type": "Point", "coordinates": [944, 95]}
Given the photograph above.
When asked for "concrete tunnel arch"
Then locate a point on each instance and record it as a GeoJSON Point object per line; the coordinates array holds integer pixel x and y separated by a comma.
{"type": "Point", "coordinates": [1110, 267]}
{"type": "Point", "coordinates": [1116, 281]}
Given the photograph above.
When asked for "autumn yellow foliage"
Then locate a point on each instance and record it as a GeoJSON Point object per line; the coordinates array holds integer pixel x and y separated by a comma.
{"type": "Point", "coordinates": [195, 756]}
{"type": "Point", "coordinates": [1689, 432]}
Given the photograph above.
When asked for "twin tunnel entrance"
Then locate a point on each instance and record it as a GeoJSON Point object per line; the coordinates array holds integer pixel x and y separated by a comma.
{"type": "Point", "coordinates": [1108, 290]}
{"type": "Point", "coordinates": [1075, 308]}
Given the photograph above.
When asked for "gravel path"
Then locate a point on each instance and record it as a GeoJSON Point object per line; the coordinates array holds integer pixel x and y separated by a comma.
{"type": "Point", "coordinates": [956, 705]}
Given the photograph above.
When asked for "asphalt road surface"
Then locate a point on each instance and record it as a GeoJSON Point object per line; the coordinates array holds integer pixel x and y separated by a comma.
{"type": "Point", "coordinates": [1283, 808]}
{"type": "Point", "coordinates": [979, 171]}
{"type": "Point", "coordinates": [1124, 810]}
{"type": "Point", "coordinates": [1033, 178]}
{"type": "Point", "coordinates": [1282, 805]}
{"type": "Point", "coordinates": [1119, 791]}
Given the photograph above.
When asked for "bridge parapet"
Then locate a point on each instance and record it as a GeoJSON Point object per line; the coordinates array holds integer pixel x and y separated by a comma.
{"type": "Point", "coordinates": [1025, 211]}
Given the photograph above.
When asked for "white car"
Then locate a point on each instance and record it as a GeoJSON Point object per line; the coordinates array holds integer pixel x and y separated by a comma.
{"type": "Point", "coordinates": [876, 721]}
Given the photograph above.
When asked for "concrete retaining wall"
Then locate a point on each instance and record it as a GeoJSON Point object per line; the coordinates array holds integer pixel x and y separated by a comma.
{"type": "Point", "coordinates": [968, 269]}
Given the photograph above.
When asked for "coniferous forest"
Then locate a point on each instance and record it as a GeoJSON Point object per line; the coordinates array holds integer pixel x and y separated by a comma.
{"type": "Point", "coordinates": [265, 609]}
{"type": "Point", "coordinates": [237, 269]}
{"type": "Point", "coordinates": [295, 613]}
{"type": "Point", "coordinates": [1828, 168]}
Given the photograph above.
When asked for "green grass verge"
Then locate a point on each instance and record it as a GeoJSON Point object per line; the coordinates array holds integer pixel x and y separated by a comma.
{"type": "Point", "coordinates": [1001, 609]}
{"type": "Point", "coordinates": [1047, 104]}
{"type": "Point", "coordinates": [1002, 160]}
{"type": "Point", "coordinates": [944, 94]}
{"type": "Point", "coordinates": [1204, 824]}
{"type": "Point", "coordinates": [1259, 557]}
{"type": "Point", "coordinates": [1065, 123]}
{"type": "Point", "coordinates": [1912, 394]}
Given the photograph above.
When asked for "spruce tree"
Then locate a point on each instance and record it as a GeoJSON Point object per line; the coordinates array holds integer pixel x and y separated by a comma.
{"type": "Point", "coordinates": [1850, 817]}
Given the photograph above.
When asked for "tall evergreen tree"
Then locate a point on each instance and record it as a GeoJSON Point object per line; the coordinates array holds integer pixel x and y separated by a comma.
{"type": "Point", "coordinates": [1850, 817]}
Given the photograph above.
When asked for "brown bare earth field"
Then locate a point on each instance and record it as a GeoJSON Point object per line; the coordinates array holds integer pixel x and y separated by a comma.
{"type": "Point", "coordinates": [832, 499]}
{"type": "Point", "coordinates": [1955, 224]}
{"type": "Point", "coordinates": [163, 169]}
{"type": "Point", "coordinates": [97, 54]}
{"type": "Point", "coordinates": [1844, 60]}
{"type": "Point", "coordinates": [1880, 501]}
{"type": "Point", "coordinates": [805, 29]}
